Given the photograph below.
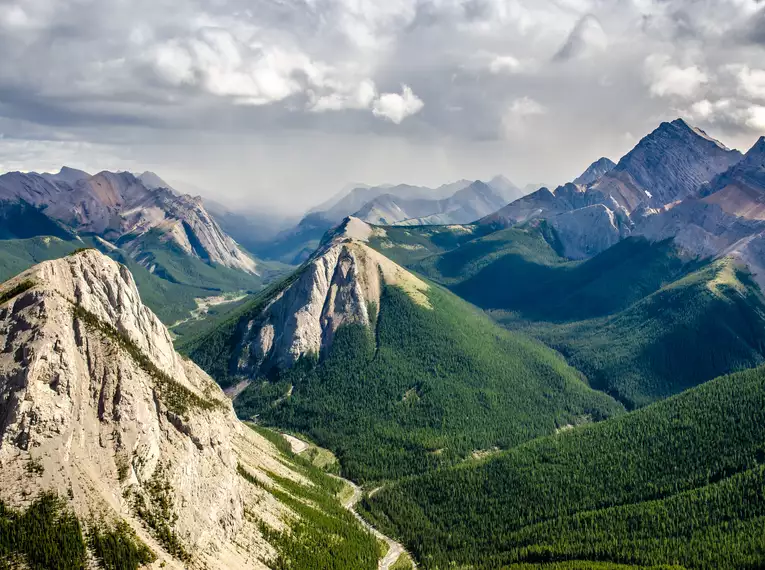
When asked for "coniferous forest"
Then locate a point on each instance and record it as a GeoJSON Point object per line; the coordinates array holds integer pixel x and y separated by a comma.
{"type": "Point", "coordinates": [677, 483]}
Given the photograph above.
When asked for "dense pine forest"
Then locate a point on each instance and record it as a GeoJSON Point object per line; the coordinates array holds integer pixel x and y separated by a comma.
{"type": "Point", "coordinates": [428, 388]}
{"type": "Point", "coordinates": [679, 483]}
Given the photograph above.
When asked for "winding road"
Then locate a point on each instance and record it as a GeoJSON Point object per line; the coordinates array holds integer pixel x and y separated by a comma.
{"type": "Point", "coordinates": [395, 549]}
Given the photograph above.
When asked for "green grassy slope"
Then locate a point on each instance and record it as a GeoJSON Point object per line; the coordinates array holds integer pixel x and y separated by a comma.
{"type": "Point", "coordinates": [20, 220]}
{"type": "Point", "coordinates": [708, 323]}
{"type": "Point", "coordinates": [409, 244]}
{"type": "Point", "coordinates": [518, 270]}
{"type": "Point", "coordinates": [679, 482]}
{"type": "Point", "coordinates": [171, 301]}
{"type": "Point", "coordinates": [426, 389]}
{"type": "Point", "coordinates": [17, 255]}
{"type": "Point", "coordinates": [639, 320]}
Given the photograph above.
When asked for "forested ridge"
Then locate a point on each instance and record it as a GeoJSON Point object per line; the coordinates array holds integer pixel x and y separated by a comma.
{"type": "Point", "coordinates": [641, 320]}
{"type": "Point", "coordinates": [679, 482]}
{"type": "Point", "coordinates": [425, 389]}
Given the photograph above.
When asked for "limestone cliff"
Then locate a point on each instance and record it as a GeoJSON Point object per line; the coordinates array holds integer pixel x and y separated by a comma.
{"type": "Point", "coordinates": [340, 284]}
{"type": "Point", "coordinates": [94, 396]}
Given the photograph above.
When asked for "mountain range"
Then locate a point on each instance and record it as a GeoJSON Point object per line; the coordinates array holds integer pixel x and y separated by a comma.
{"type": "Point", "coordinates": [459, 202]}
{"type": "Point", "coordinates": [177, 251]}
{"type": "Point", "coordinates": [121, 208]}
{"type": "Point", "coordinates": [665, 167]}
{"type": "Point", "coordinates": [564, 380]}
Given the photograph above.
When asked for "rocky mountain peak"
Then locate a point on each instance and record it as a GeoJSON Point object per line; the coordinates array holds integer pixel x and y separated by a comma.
{"type": "Point", "coordinates": [69, 175]}
{"type": "Point", "coordinates": [756, 154]}
{"type": "Point", "coordinates": [340, 284]}
{"type": "Point", "coordinates": [667, 165]}
{"type": "Point", "coordinates": [595, 171]}
{"type": "Point", "coordinates": [93, 394]}
{"type": "Point", "coordinates": [153, 180]}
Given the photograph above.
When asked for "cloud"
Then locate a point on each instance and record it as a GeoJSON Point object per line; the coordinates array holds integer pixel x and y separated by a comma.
{"type": "Point", "coordinates": [667, 79]}
{"type": "Point", "coordinates": [220, 64]}
{"type": "Point", "coordinates": [359, 96]}
{"type": "Point", "coordinates": [586, 38]}
{"type": "Point", "coordinates": [752, 82]}
{"type": "Point", "coordinates": [518, 112]}
{"type": "Point", "coordinates": [496, 85]}
{"type": "Point", "coordinates": [756, 118]}
{"type": "Point", "coordinates": [504, 64]}
{"type": "Point", "coordinates": [395, 107]}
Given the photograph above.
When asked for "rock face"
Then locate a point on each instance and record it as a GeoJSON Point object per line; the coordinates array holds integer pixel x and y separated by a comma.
{"type": "Point", "coordinates": [726, 217]}
{"type": "Point", "coordinates": [93, 392]}
{"type": "Point", "coordinates": [341, 284]}
{"type": "Point", "coordinates": [588, 231]}
{"type": "Point", "coordinates": [668, 165]}
{"type": "Point", "coordinates": [119, 206]}
{"type": "Point", "coordinates": [595, 171]}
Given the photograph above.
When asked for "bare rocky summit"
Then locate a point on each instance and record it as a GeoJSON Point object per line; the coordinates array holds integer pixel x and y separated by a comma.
{"type": "Point", "coordinates": [340, 284]}
{"type": "Point", "coordinates": [595, 171]}
{"type": "Point", "coordinates": [93, 395]}
{"type": "Point", "coordinates": [667, 166]}
{"type": "Point", "coordinates": [726, 217]}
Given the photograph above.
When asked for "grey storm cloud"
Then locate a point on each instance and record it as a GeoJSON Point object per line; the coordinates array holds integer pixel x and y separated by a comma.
{"type": "Point", "coordinates": [305, 95]}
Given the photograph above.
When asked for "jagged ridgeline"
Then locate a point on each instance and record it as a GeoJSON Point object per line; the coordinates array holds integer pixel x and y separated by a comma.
{"type": "Point", "coordinates": [395, 374]}
{"type": "Point", "coordinates": [678, 483]}
{"type": "Point", "coordinates": [116, 452]}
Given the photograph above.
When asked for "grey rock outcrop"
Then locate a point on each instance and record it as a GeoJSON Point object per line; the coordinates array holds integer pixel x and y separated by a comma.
{"type": "Point", "coordinates": [588, 231]}
{"type": "Point", "coordinates": [341, 284]}
{"type": "Point", "coordinates": [92, 390]}
{"type": "Point", "coordinates": [669, 165]}
{"type": "Point", "coordinates": [595, 171]}
{"type": "Point", "coordinates": [726, 218]}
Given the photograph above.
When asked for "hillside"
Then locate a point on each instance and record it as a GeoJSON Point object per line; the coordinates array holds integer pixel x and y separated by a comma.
{"type": "Point", "coordinates": [117, 452]}
{"type": "Point", "coordinates": [169, 279]}
{"type": "Point", "coordinates": [641, 320]}
{"type": "Point", "coordinates": [677, 483]}
{"type": "Point", "coordinates": [393, 374]}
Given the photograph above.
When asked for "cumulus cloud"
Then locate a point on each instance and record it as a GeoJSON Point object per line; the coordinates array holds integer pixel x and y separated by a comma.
{"type": "Point", "coordinates": [222, 65]}
{"type": "Point", "coordinates": [504, 64]}
{"type": "Point", "coordinates": [668, 79]}
{"type": "Point", "coordinates": [756, 118]}
{"type": "Point", "coordinates": [395, 107]}
{"type": "Point", "coordinates": [359, 96]}
{"type": "Point", "coordinates": [518, 112]}
{"type": "Point", "coordinates": [752, 82]}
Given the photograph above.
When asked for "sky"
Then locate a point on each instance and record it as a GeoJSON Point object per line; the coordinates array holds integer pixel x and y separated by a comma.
{"type": "Point", "coordinates": [274, 105]}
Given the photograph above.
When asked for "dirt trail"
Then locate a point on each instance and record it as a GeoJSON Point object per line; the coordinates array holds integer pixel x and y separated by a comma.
{"type": "Point", "coordinates": [395, 549]}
